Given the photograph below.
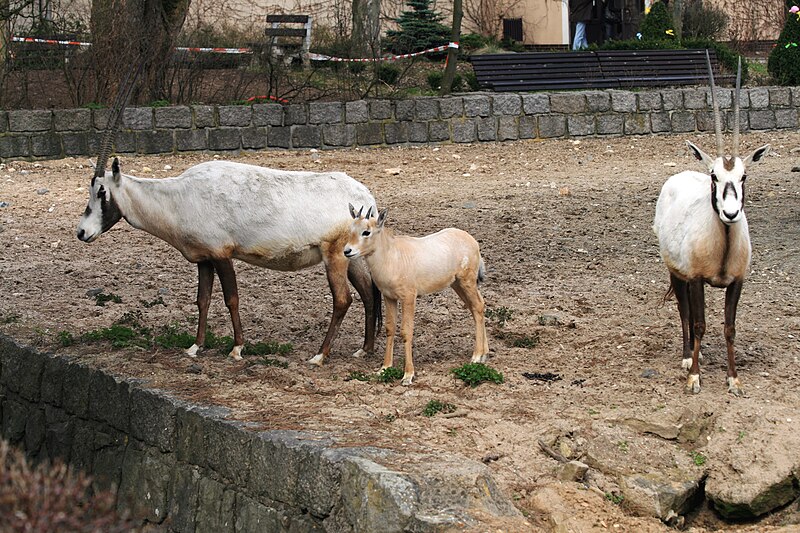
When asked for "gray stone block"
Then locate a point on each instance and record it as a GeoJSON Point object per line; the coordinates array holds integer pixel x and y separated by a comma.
{"type": "Point", "coordinates": [568, 103]}
{"type": "Point", "coordinates": [786, 118]}
{"type": "Point", "coordinates": [15, 417]}
{"type": "Point", "coordinates": [189, 140]}
{"type": "Point", "coordinates": [356, 112]}
{"type": "Point", "coordinates": [759, 97]}
{"type": "Point", "coordinates": [650, 101]}
{"type": "Point", "coordinates": [637, 124]}
{"type": "Point", "coordinates": [724, 98]}
{"type": "Point", "coordinates": [107, 461]}
{"type": "Point", "coordinates": [551, 126]}
{"type": "Point", "coordinates": [464, 130]}
{"type": "Point", "coordinates": [253, 516]}
{"type": "Point", "coordinates": [683, 122]}
{"type": "Point", "coordinates": [144, 487]}
{"type": "Point", "coordinates": [235, 116]}
{"type": "Point", "coordinates": [380, 109]}
{"type": "Point", "coordinates": [173, 117]}
{"type": "Point", "coordinates": [672, 99]}
{"type": "Point", "coordinates": [153, 418]}
{"type": "Point", "coordinates": [507, 104]}
{"type": "Point", "coordinates": [53, 374]}
{"type": "Point", "coordinates": [780, 97]}
{"type": "Point", "coordinates": [30, 120]}
{"type": "Point", "coordinates": [370, 133]}
{"type": "Point", "coordinates": [477, 105]}
{"type": "Point", "coordinates": [795, 92]}
{"type": "Point", "coordinates": [125, 142]}
{"type": "Point", "coordinates": [417, 132]}
{"type": "Point", "coordinates": [228, 450]}
{"type": "Point", "coordinates": [35, 428]}
{"type": "Point", "coordinates": [204, 116]}
{"type": "Point", "coordinates": [83, 446]}
{"type": "Point", "coordinates": [100, 118]}
{"type": "Point", "coordinates": [155, 142]}
{"type": "Point", "coordinates": [404, 110]}
{"type": "Point", "coordinates": [296, 114]}
{"type": "Point", "coordinates": [3, 121]}
{"type": "Point", "coordinates": [695, 98]}
{"type": "Point", "coordinates": [138, 118]}
{"type": "Point", "coordinates": [439, 131]}
{"type": "Point", "coordinates": [610, 124]}
{"type": "Point", "coordinates": [22, 370]}
{"type": "Point", "coordinates": [216, 509]}
{"type": "Point", "coordinates": [762, 119]}
{"type": "Point", "coordinates": [623, 101]}
{"type": "Point", "coordinates": [535, 104]}
{"type": "Point", "coordinates": [224, 139]}
{"type": "Point", "coordinates": [580, 125]}
{"type": "Point", "coordinates": [396, 132]}
{"type": "Point", "coordinates": [451, 107]}
{"type": "Point", "coordinates": [705, 120]}
{"type": "Point", "coordinates": [306, 136]}
{"type": "Point", "coordinates": [279, 137]}
{"type": "Point", "coordinates": [427, 109]}
{"type": "Point", "coordinates": [254, 138]}
{"type": "Point", "coordinates": [660, 122]}
{"type": "Point", "coordinates": [487, 128]}
{"type": "Point", "coordinates": [72, 119]}
{"type": "Point", "coordinates": [339, 134]}
{"type": "Point", "coordinates": [12, 146]}
{"type": "Point", "coordinates": [190, 425]}
{"type": "Point", "coordinates": [597, 101]}
{"type": "Point", "coordinates": [109, 401]}
{"type": "Point", "coordinates": [46, 145]}
{"type": "Point", "coordinates": [527, 127]}
{"type": "Point", "coordinates": [185, 481]}
{"type": "Point", "coordinates": [78, 143]}
{"type": "Point", "coordinates": [325, 113]}
{"type": "Point", "coordinates": [76, 380]}
{"type": "Point", "coordinates": [267, 115]}
{"type": "Point", "coordinates": [58, 435]}
{"type": "Point", "coordinates": [744, 120]}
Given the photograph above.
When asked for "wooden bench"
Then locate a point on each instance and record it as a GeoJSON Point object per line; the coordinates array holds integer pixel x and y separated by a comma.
{"type": "Point", "coordinates": [601, 69]}
{"type": "Point", "coordinates": [278, 29]}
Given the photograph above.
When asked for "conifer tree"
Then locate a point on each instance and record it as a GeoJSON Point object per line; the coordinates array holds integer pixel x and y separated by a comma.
{"type": "Point", "coordinates": [657, 23]}
{"type": "Point", "coordinates": [420, 29]}
{"type": "Point", "coordinates": [784, 60]}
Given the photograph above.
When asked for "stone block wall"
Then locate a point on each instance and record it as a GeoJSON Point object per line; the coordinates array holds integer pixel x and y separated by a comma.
{"type": "Point", "coordinates": [467, 118]}
{"type": "Point", "coordinates": [190, 468]}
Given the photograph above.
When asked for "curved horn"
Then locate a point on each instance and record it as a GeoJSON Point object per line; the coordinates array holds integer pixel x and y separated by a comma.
{"type": "Point", "coordinates": [715, 106]}
{"type": "Point", "coordinates": [736, 117]}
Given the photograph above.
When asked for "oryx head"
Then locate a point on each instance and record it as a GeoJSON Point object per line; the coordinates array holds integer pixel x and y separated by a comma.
{"type": "Point", "coordinates": [102, 211]}
{"type": "Point", "coordinates": [363, 231]}
{"type": "Point", "coordinates": [728, 173]}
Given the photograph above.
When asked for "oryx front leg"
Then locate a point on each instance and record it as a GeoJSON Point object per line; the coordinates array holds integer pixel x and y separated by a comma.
{"type": "Point", "coordinates": [407, 331]}
{"type": "Point", "coordinates": [205, 284]}
{"type": "Point", "coordinates": [391, 325]}
{"type": "Point", "coordinates": [336, 270]}
{"type": "Point", "coordinates": [697, 307]}
{"type": "Point", "coordinates": [227, 278]}
{"type": "Point", "coordinates": [732, 295]}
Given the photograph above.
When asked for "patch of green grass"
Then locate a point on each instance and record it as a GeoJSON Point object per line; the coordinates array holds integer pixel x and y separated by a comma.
{"type": "Point", "coordinates": [390, 417]}
{"type": "Point", "coordinates": [616, 499]}
{"type": "Point", "coordinates": [118, 335]}
{"type": "Point", "coordinates": [501, 315]}
{"type": "Point", "coordinates": [526, 341]}
{"type": "Point", "coordinates": [593, 411]}
{"type": "Point", "coordinates": [435, 406]}
{"type": "Point", "coordinates": [65, 338]}
{"type": "Point", "coordinates": [153, 303]}
{"type": "Point", "coordinates": [623, 446]}
{"type": "Point", "coordinates": [473, 374]}
{"type": "Point", "coordinates": [270, 361]}
{"type": "Point", "coordinates": [172, 337]}
{"type": "Point", "coordinates": [357, 375]}
{"type": "Point", "coordinates": [698, 458]}
{"type": "Point", "coordinates": [102, 298]}
{"type": "Point", "coordinates": [740, 437]}
{"type": "Point", "coordinates": [93, 105]}
{"type": "Point", "coordinates": [10, 318]}
{"type": "Point", "coordinates": [267, 348]}
{"type": "Point", "coordinates": [160, 103]}
{"type": "Point", "coordinates": [390, 374]}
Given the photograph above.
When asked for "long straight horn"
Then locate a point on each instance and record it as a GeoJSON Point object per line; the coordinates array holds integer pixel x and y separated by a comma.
{"type": "Point", "coordinates": [736, 117]}
{"type": "Point", "coordinates": [115, 117]}
{"type": "Point", "coordinates": [715, 106]}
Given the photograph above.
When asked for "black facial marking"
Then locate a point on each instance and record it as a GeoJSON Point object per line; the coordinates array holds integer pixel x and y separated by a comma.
{"type": "Point", "coordinates": [713, 177]}
{"type": "Point", "coordinates": [714, 195]}
{"type": "Point", "coordinates": [729, 188]}
{"type": "Point", "coordinates": [110, 213]}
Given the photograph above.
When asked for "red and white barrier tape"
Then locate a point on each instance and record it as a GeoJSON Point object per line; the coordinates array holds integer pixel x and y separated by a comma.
{"type": "Point", "coordinates": [179, 48]}
{"type": "Point", "coordinates": [322, 57]}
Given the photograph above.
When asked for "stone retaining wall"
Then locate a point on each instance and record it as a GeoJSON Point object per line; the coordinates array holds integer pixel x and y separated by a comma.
{"type": "Point", "coordinates": [472, 117]}
{"type": "Point", "coordinates": [189, 468]}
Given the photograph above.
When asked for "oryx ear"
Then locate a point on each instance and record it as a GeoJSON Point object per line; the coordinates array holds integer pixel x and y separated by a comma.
{"type": "Point", "coordinates": [115, 173]}
{"type": "Point", "coordinates": [700, 155]}
{"type": "Point", "coordinates": [353, 210]}
{"type": "Point", "coordinates": [756, 156]}
{"type": "Point", "coordinates": [382, 217]}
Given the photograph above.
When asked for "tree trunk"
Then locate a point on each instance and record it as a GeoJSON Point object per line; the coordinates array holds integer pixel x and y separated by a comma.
{"type": "Point", "coordinates": [126, 33]}
{"type": "Point", "coordinates": [366, 38]}
{"type": "Point", "coordinates": [452, 53]}
{"type": "Point", "coordinates": [677, 18]}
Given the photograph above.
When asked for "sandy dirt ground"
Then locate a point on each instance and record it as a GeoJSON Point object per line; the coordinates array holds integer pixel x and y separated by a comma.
{"type": "Point", "coordinates": [573, 267]}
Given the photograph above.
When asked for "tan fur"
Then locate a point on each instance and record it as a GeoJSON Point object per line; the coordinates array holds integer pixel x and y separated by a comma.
{"type": "Point", "coordinates": [404, 267]}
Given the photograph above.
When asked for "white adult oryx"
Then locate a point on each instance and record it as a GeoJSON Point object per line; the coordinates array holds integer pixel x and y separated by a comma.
{"type": "Point", "coordinates": [703, 235]}
{"type": "Point", "coordinates": [219, 211]}
{"type": "Point", "coordinates": [404, 267]}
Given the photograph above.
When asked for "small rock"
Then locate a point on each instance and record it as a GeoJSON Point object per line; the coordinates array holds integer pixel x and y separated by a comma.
{"type": "Point", "coordinates": [4, 204]}
{"type": "Point", "coordinates": [392, 171]}
{"type": "Point", "coordinates": [163, 290]}
{"type": "Point", "coordinates": [91, 293]}
{"type": "Point", "coordinates": [194, 368]}
{"type": "Point", "coordinates": [572, 471]}
{"type": "Point", "coordinates": [42, 191]}
{"type": "Point", "coordinates": [469, 205]}
{"type": "Point", "coordinates": [649, 373]}
{"type": "Point", "coordinates": [795, 169]}
{"type": "Point", "coordinates": [548, 320]}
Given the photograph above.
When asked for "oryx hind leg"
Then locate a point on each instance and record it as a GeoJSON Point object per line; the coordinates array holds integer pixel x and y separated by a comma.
{"type": "Point", "coordinates": [360, 277]}
{"type": "Point", "coordinates": [336, 270]}
{"type": "Point", "coordinates": [467, 290]}
{"type": "Point", "coordinates": [227, 278]}
{"type": "Point", "coordinates": [205, 284]}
